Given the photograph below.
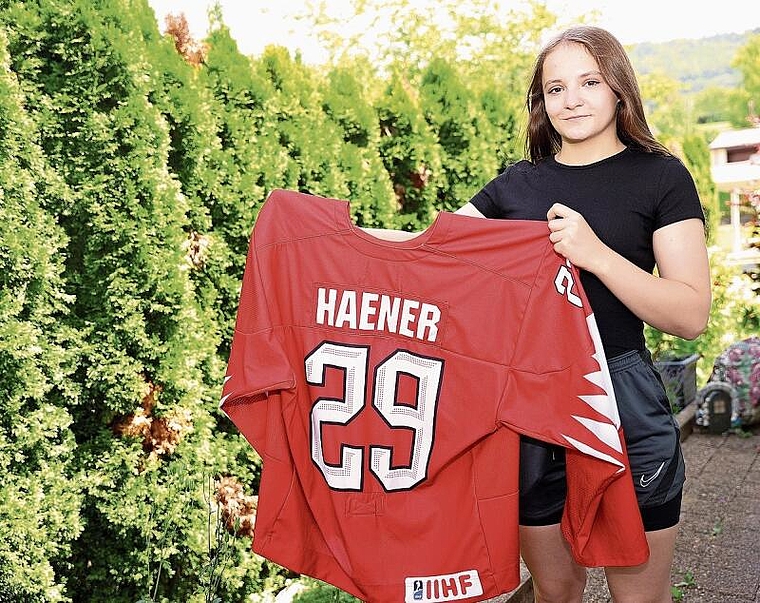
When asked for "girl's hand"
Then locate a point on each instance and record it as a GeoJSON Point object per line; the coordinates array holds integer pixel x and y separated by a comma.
{"type": "Point", "coordinates": [574, 239]}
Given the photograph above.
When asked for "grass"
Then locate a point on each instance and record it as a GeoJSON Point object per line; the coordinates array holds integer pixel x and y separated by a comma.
{"type": "Point", "coordinates": [678, 590]}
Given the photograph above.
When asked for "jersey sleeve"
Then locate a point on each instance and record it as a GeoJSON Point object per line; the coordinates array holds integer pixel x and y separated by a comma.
{"type": "Point", "coordinates": [601, 520]}
{"type": "Point", "coordinates": [559, 362]}
{"type": "Point", "coordinates": [561, 392]}
{"type": "Point", "coordinates": [678, 196]}
{"type": "Point", "coordinates": [257, 369]}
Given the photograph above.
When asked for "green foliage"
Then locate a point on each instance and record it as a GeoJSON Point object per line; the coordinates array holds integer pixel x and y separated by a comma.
{"type": "Point", "coordinates": [696, 155]}
{"type": "Point", "coordinates": [665, 107]}
{"type": "Point", "coordinates": [464, 135]}
{"type": "Point", "coordinates": [241, 161]}
{"type": "Point", "coordinates": [699, 63]}
{"type": "Point", "coordinates": [148, 368]}
{"type": "Point", "coordinates": [347, 101]}
{"type": "Point", "coordinates": [39, 502]}
{"type": "Point", "coordinates": [311, 140]}
{"type": "Point", "coordinates": [747, 60]}
{"type": "Point", "coordinates": [705, 76]}
{"type": "Point", "coordinates": [734, 315]}
{"type": "Point", "coordinates": [481, 35]}
{"type": "Point", "coordinates": [319, 592]}
{"type": "Point", "coordinates": [410, 153]}
{"type": "Point", "coordinates": [677, 591]}
{"type": "Point", "coordinates": [715, 105]}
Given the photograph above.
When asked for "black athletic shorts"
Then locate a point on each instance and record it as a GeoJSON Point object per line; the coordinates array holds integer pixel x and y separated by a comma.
{"type": "Point", "coordinates": [652, 438]}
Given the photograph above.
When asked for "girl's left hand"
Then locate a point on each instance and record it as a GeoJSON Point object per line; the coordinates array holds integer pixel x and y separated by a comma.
{"type": "Point", "coordinates": [573, 238]}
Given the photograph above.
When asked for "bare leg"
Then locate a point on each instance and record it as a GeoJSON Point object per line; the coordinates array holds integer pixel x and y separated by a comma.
{"type": "Point", "coordinates": [649, 582]}
{"type": "Point", "coordinates": [557, 578]}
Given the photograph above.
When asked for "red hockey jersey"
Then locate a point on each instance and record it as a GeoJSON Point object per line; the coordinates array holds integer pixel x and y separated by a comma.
{"type": "Point", "coordinates": [384, 385]}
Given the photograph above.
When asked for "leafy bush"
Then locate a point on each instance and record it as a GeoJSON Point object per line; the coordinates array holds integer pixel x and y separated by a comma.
{"type": "Point", "coordinates": [319, 592]}
{"type": "Point", "coordinates": [734, 315]}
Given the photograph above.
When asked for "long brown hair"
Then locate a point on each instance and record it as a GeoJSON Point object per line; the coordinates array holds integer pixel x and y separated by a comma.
{"type": "Point", "coordinates": [543, 140]}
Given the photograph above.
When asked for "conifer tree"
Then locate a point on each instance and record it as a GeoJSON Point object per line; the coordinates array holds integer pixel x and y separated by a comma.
{"type": "Point", "coordinates": [347, 102]}
{"type": "Point", "coordinates": [39, 499]}
{"type": "Point", "coordinates": [244, 160]}
{"type": "Point", "coordinates": [142, 423]}
{"type": "Point", "coordinates": [411, 153]}
{"type": "Point", "coordinates": [465, 136]}
{"type": "Point", "coordinates": [203, 159]}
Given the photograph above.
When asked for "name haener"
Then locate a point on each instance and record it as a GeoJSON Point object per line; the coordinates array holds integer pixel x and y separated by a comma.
{"type": "Point", "coordinates": [368, 311]}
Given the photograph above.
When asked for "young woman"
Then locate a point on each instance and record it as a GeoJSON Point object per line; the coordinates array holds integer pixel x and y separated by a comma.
{"type": "Point", "coordinates": [617, 204]}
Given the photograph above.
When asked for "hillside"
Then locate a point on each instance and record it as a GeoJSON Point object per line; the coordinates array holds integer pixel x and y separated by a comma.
{"type": "Point", "coordinates": [698, 63]}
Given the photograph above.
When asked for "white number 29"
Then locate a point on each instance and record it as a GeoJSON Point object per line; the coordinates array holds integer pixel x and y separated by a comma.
{"type": "Point", "coordinates": [348, 474]}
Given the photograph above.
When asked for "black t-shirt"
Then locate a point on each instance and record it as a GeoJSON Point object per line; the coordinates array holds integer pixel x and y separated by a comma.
{"type": "Point", "coordinates": [624, 198]}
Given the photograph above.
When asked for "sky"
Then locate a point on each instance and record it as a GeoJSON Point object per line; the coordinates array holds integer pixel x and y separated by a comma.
{"type": "Point", "coordinates": [257, 23]}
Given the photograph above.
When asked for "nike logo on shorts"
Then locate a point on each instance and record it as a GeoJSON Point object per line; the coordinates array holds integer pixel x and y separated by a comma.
{"type": "Point", "coordinates": [645, 481]}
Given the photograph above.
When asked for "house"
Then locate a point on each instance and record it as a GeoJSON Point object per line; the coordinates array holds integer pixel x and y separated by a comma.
{"type": "Point", "coordinates": [735, 167]}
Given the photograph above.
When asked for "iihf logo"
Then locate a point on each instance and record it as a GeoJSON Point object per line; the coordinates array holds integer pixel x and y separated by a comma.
{"type": "Point", "coordinates": [445, 587]}
{"type": "Point", "coordinates": [417, 590]}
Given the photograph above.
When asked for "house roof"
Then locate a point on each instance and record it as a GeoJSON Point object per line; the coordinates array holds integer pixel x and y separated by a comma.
{"type": "Point", "coordinates": [729, 139]}
{"type": "Point", "coordinates": [739, 175]}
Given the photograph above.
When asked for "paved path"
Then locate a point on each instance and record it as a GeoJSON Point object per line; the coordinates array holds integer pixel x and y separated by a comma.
{"type": "Point", "coordinates": [718, 548]}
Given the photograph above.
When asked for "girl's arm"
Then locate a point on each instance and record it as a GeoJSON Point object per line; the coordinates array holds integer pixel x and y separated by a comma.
{"type": "Point", "coordinates": [676, 302]}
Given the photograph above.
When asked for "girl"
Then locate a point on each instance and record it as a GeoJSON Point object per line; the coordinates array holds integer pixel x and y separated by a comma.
{"type": "Point", "coordinates": [617, 204]}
